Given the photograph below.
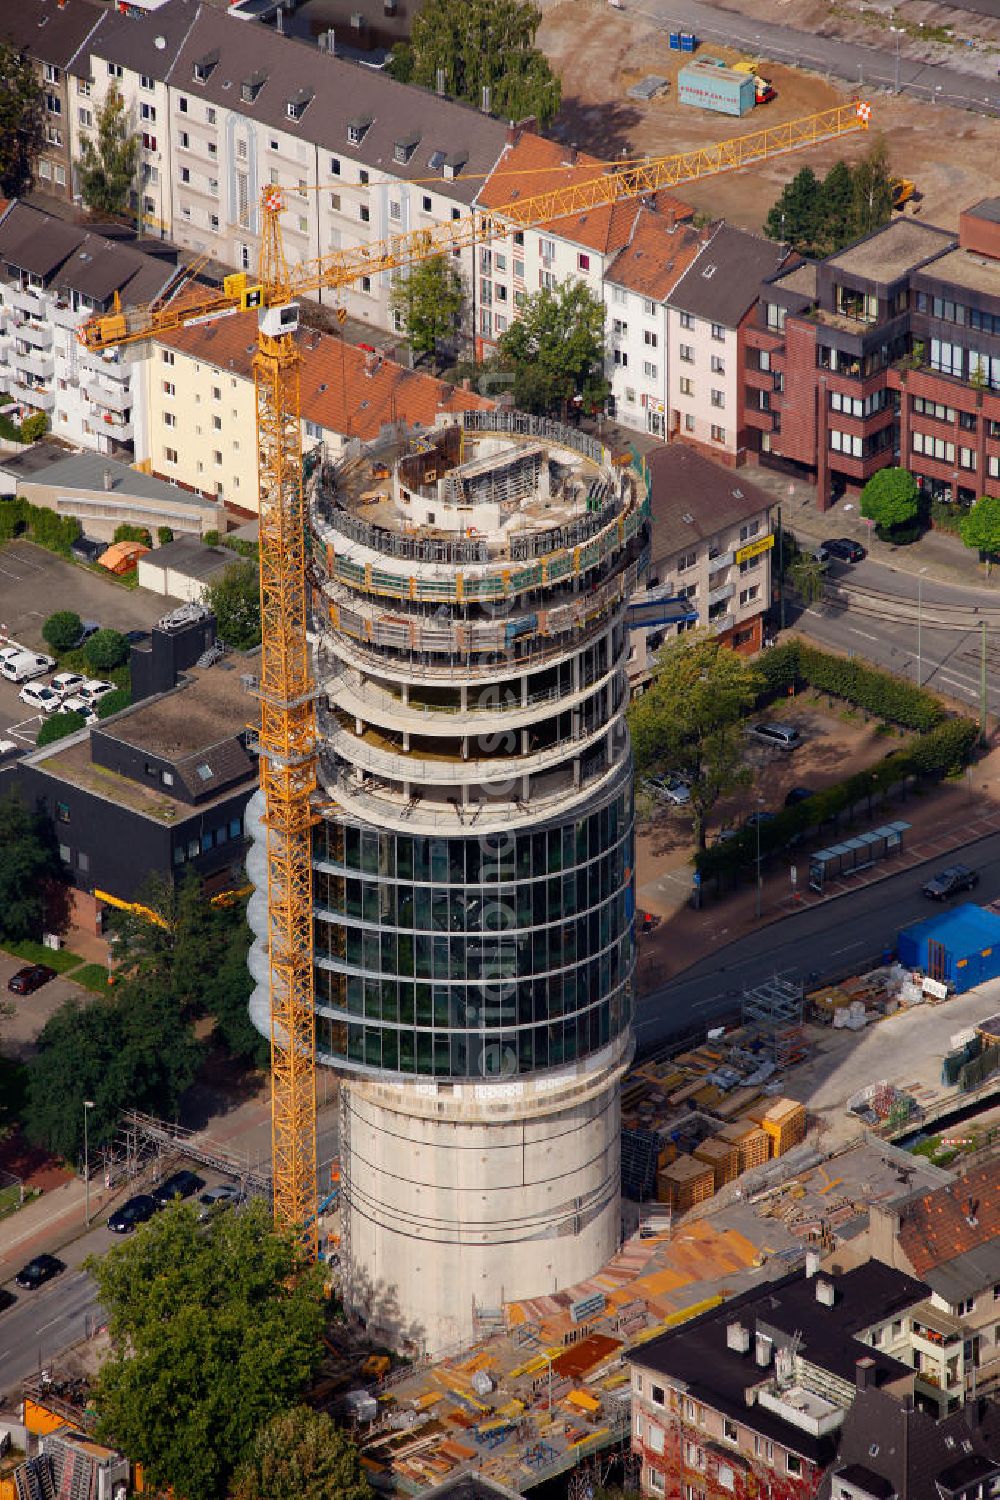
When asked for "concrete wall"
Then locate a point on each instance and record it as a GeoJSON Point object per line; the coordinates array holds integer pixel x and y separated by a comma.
{"type": "Point", "coordinates": [100, 511]}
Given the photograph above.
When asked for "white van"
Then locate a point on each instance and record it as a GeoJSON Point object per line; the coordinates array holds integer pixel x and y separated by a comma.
{"type": "Point", "coordinates": [25, 665]}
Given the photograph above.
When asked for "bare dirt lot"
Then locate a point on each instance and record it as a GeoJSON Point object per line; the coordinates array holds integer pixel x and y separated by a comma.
{"type": "Point", "coordinates": [601, 52]}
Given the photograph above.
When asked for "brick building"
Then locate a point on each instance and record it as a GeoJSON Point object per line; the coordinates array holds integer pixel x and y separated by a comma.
{"type": "Point", "coordinates": [886, 352]}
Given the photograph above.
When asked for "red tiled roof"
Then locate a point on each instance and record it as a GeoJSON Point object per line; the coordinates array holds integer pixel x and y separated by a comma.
{"type": "Point", "coordinates": [343, 389]}
{"type": "Point", "coordinates": [951, 1220]}
{"type": "Point", "coordinates": [535, 165]}
{"type": "Point", "coordinates": [657, 255]}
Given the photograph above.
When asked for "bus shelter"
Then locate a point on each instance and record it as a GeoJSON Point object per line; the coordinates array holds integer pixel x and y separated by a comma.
{"type": "Point", "coordinates": [854, 854]}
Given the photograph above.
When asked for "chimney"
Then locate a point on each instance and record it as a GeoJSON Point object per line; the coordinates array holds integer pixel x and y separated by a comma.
{"type": "Point", "coordinates": [513, 133]}
{"type": "Point", "coordinates": [441, 81]}
{"type": "Point", "coordinates": [972, 1212]}
{"type": "Point", "coordinates": [762, 1352]}
{"type": "Point", "coordinates": [825, 1292]}
{"type": "Point", "coordinates": [864, 1373]}
{"type": "Point", "coordinates": [705, 233]}
{"type": "Point", "coordinates": [812, 1264]}
{"type": "Point", "coordinates": [486, 99]}
{"type": "Point", "coordinates": [738, 1338]}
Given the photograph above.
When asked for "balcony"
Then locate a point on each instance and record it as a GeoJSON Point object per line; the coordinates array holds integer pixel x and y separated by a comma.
{"type": "Point", "coordinates": [108, 394]}
{"type": "Point", "coordinates": [38, 397]}
{"type": "Point", "coordinates": [720, 560]}
{"type": "Point", "coordinates": [64, 316]}
{"type": "Point", "coordinates": [720, 595]}
{"type": "Point", "coordinates": [39, 335]}
{"type": "Point", "coordinates": [28, 303]}
{"type": "Point", "coordinates": [41, 366]}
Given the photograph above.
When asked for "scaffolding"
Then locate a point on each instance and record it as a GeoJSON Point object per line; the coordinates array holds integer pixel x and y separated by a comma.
{"type": "Point", "coordinates": [774, 1009]}
{"type": "Point", "coordinates": [145, 1143]}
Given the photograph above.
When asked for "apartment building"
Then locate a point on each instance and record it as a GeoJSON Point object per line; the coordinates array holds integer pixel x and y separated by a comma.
{"type": "Point", "coordinates": [892, 1449]}
{"type": "Point", "coordinates": [750, 1398]}
{"type": "Point", "coordinates": [887, 352]}
{"type": "Point", "coordinates": [53, 276]}
{"type": "Point", "coordinates": [51, 34]}
{"type": "Point", "coordinates": [709, 558]}
{"type": "Point", "coordinates": [710, 309]}
{"type": "Point", "coordinates": [578, 247]}
{"type": "Point", "coordinates": [637, 285]}
{"type": "Point", "coordinates": [227, 108]}
{"type": "Point", "coordinates": [199, 384]}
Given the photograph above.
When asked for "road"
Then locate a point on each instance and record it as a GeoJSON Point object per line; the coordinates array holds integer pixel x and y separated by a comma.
{"type": "Point", "coordinates": [864, 67]}
{"type": "Point", "coordinates": [836, 937]}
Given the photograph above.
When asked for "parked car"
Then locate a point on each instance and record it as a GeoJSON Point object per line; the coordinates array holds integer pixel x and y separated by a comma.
{"type": "Point", "coordinates": [761, 818]}
{"type": "Point", "coordinates": [133, 1213]}
{"type": "Point", "coordinates": [782, 736]}
{"type": "Point", "coordinates": [26, 665]}
{"type": "Point", "coordinates": [67, 683]}
{"type": "Point", "coordinates": [226, 1195]}
{"type": "Point", "coordinates": [799, 794]}
{"type": "Point", "coordinates": [29, 979]}
{"type": "Point", "coordinates": [39, 695]}
{"type": "Point", "coordinates": [845, 549]}
{"type": "Point", "coordinates": [78, 705]}
{"type": "Point", "coordinates": [93, 690]}
{"type": "Point", "coordinates": [670, 787]}
{"type": "Point", "coordinates": [951, 882]}
{"type": "Point", "coordinates": [181, 1185]}
{"type": "Point", "coordinates": [38, 1271]}
{"type": "Point", "coordinates": [8, 652]}
{"type": "Point", "coordinates": [87, 629]}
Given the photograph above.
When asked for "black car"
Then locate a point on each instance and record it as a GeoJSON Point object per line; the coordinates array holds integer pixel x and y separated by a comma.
{"type": "Point", "coordinates": [38, 1271]}
{"type": "Point", "coordinates": [136, 1211]}
{"type": "Point", "coordinates": [845, 549]}
{"type": "Point", "coordinates": [29, 979]}
{"type": "Point", "coordinates": [951, 882]}
{"type": "Point", "coordinates": [799, 794]}
{"type": "Point", "coordinates": [181, 1185]}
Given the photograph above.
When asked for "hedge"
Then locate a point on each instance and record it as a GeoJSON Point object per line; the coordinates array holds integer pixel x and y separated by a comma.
{"type": "Point", "coordinates": [44, 526]}
{"type": "Point", "coordinates": [794, 664]}
{"type": "Point", "coordinates": [943, 749]}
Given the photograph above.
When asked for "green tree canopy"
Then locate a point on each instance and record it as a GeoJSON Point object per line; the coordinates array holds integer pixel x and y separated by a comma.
{"type": "Point", "coordinates": [62, 631]}
{"type": "Point", "coordinates": [132, 1049]}
{"type": "Point", "coordinates": [819, 218]}
{"type": "Point", "coordinates": [555, 350]}
{"type": "Point", "coordinates": [107, 165]}
{"type": "Point", "coordinates": [34, 426]}
{"type": "Point", "coordinates": [691, 719]}
{"type": "Point", "coordinates": [981, 527]}
{"type": "Point", "coordinates": [872, 190]}
{"type": "Point", "coordinates": [22, 123]}
{"type": "Point", "coordinates": [890, 498]}
{"type": "Point", "coordinates": [797, 215]}
{"type": "Point", "coordinates": [429, 299]}
{"type": "Point", "coordinates": [215, 1329]}
{"type": "Point", "coordinates": [836, 228]}
{"type": "Point", "coordinates": [57, 726]}
{"type": "Point", "coordinates": [126, 531]}
{"type": "Point", "coordinates": [235, 600]}
{"type": "Point", "coordinates": [482, 44]}
{"type": "Point", "coordinates": [301, 1455]}
{"type": "Point", "coordinates": [105, 650]}
{"type": "Point", "coordinates": [28, 864]}
{"type": "Point", "coordinates": [113, 703]}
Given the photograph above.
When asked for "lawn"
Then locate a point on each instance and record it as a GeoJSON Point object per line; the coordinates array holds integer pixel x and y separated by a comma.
{"type": "Point", "coordinates": [92, 977]}
{"type": "Point", "coordinates": [60, 959]}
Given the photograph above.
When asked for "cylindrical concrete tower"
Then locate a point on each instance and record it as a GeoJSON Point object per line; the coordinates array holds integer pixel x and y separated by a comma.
{"type": "Point", "coordinates": [473, 873]}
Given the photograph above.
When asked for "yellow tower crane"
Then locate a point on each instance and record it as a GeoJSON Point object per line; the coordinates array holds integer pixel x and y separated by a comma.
{"type": "Point", "coordinates": [288, 720]}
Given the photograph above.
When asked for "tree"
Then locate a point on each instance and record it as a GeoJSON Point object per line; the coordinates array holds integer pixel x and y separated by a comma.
{"type": "Point", "coordinates": [235, 600]}
{"type": "Point", "coordinates": [164, 534]}
{"type": "Point", "coordinates": [113, 703]}
{"type": "Point", "coordinates": [126, 532]}
{"type": "Point", "coordinates": [105, 650]}
{"type": "Point", "coordinates": [429, 299]}
{"type": "Point", "coordinates": [890, 498]}
{"type": "Point", "coordinates": [797, 215]}
{"type": "Point", "coordinates": [837, 209]}
{"type": "Point", "coordinates": [28, 865]}
{"type": "Point", "coordinates": [34, 426]}
{"type": "Point", "coordinates": [215, 1329]}
{"type": "Point", "coordinates": [107, 166]}
{"type": "Point", "coordinates": [691, 719]}
{"type": "Point", "coordinates": [482, 44]}
{"type": "Point", "coordinates": [22, 122]}
{"type": "Point", "coordinates": [301, 1455]}
{"type": "Point", "coordinates": [58, 726]}
{"type": "Point", "coordinates": [805, 574]}
{"type": "Point", "coordinates": [555, 350]}
{"type": "Point", "coordinates": [981, 528]}
{"type": "Point", "coordinates": [872, 190]}
{"type": "Point", "coordinates": [62, 631]}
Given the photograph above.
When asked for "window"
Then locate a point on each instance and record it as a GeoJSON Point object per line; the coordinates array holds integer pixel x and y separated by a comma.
{"type": "Point", "coordinates": [53, 136]}
{"type": "Point", "coordinates": [718, 398]}
{"type": "Point", "coordinates": [170, 455]}
{"type": "Point", "coordinates": [748, 565]}
{"type": "Point", "coordinates": [967, 458]}
{"type": "Point", "coordinates": [216, 423]}
{"type": "Point", "coordinates": [217, 458]}
{"type": "Point", "coordinates": [169, 419]}
{"type": "Point", "coordinates": [649, 307]}
{"type": "Point", "coordinates": [115, 70]}
{"type": "Point", "coordinates": [933, 447]}
{"type": "Point", "coordinates": [395, 209]}
{"type": "Point", "coordinates": [145, 82]}
{"type": "Point", "coordinates": [747, 596]}
{"type": "Point", "coordinates": [53, 104]}
{"type": "Point", "coordinates": [689, 421]}
{"type": "Point", "coordinates": [687, 321]}
{"type": "Point", "coordinates": [185, 174]}
{"type": "Point", "coordinates": [621, 359]}
{"type": "Point", "coordinates": [364, 212]}
{"type": "Point", "coordinates": [847, 443]}
{"type": "Point", "coordinates": [618, 328]}
{"type": "Point", "coordinates": [651, 371]}
{"type": "Point", "coordinates": [727, 1479]}
{"type": "Point", "coordinates": [148, 141]}
{"type": "Point", "coordinates": [686, 560]}
{"type": "Point", "coordinates": [583, 262]}
{"type": "Point", "coordinates": [45, 170]}
{"type": "Point", "coordinates": [366, 283]}
{"type": "Point", "coordinates": [656, 1481]}
{"type": "Point", "coordinates": [718, 434]}
{"type": "Point", "coordinates": [993, 466]}
{"type": "Point", "coordinates": [147, 111]}
{"type": "Point", "coordinates": [687, 386]}
{"type": "Point", "coordinates": [649, 339]}
{"type": "Point", "coordinates": [547, 249]}
{"type": "Point", "coordinates": [687, 353]}
{"type": "Point", "coordinates": [730, 1431]}
{"type": "Point", "coordinates": [184, 140]}
{"type": "Point", "coordinates": [51, 73]}
{"type": "Point", "coordinates": [718, 365]}
{"type": "Point", "coordinates": [85, 116]}
{"type": "Point", "coordinates": [217, 393]}
{"type": "Point", "coordinates": [718, 332]}
{"type": "Point", "coordinates": [937, 409]}
{"type": "Point", "coordinates": [948, 358]}
{"type": "Point", "coordinates": [169, 389]}
{"type": "Point", "coordinates": [966, 1306]}
{"type": "Point", "coordinates": [619, 295]}
{"type": "Point", "coordinates": [83, 87]}
{"type": "Point", "coordinates": [182, 105]}
{"type": "Point", "coordinates": [210, 115]}
{"type": "Point", "coordinates": [656, 1395]}
{"type": "Point", "coordinates": [793, 1464]}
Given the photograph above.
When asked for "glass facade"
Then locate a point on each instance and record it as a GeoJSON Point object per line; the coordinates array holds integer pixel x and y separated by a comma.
{"type": "Point", "coordinates": [472, 956]}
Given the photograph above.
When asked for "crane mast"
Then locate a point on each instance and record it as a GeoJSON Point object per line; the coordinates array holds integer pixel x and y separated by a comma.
{"type": "Point", "coordinates": [287, 736]}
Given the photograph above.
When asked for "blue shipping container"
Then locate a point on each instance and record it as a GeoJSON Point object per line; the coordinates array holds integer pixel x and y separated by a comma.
{"type": "Point", "coordinates": [961, 947]}
{"type": "Point", "coordinates": [675, 41]}
{"type": "Point", "coordinates": [689, 42]}
{"type": "Point", "coordinates": [708, 86]}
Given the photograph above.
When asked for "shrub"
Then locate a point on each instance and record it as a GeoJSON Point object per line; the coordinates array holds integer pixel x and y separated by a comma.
{"type": "Point", "coordinates": [34, 427]}
{"type": "Point", "coordinates": [62, 631]}
{"type": "Point", "coordinates": [164, 535]}
{"type": "Point", "coordinates": [876, 692]}
{"type": "Point", "coordinates": [210, 538]}
{"type": "Point", "coordinates": [126, 532]}
{"type": "Point", "coordinates": [106, 650]}
{"type": "Point", "coordinates": [13, 518]}
{"type": "Point", "coordinates": [113, 703]}
{"type": "Point", "coordinates": [57, 726]}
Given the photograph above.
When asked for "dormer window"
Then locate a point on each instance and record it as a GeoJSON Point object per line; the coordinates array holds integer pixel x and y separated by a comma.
{"type": "Point", "coordinates": [298, 104]}
{"type": "Point", "coordinates": [206, 66]}
{"type": "Point", "coordinates": [404, 148]}
{"type": "Point", "coordinates": [358, 128]}
{"type": "Point", "coordinates": [251, 87]}
{"type": "Point", "coordinates": [454, 163]}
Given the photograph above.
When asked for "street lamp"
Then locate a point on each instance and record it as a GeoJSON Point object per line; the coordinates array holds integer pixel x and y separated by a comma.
{"type": "Point", "coordinates": [898, 30]}
{"type": "Point", "coordinates": [88, 1105]}
{"type": "Point", "coordinates": [920, 605]}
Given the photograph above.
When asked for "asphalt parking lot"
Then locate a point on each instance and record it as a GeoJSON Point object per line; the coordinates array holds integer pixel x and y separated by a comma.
{"type": "Point", "coordinates": [33, 585]}
{"type": "Point", "coordinates": [29, 1013]}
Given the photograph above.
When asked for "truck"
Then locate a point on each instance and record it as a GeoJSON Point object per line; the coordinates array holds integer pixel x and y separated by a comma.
{"type": "Point", "coordinates": [764, 90]}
